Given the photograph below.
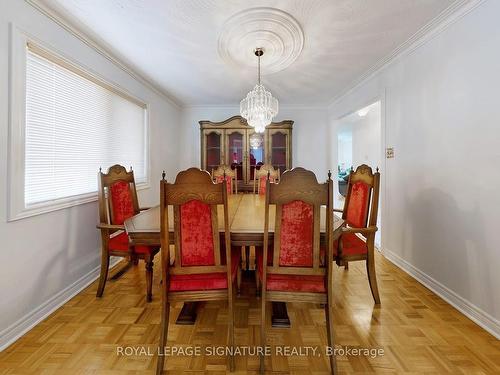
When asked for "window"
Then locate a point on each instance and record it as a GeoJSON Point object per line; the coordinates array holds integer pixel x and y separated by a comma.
{"type": "Point", "coordinates": [74, 124]}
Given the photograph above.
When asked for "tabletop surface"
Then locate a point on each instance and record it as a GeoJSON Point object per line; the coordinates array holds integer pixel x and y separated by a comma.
{"type": "Point", "coordinates": [246, 215]}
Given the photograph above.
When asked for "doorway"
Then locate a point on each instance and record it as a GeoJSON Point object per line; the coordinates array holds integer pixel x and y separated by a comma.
{"type": "Point", "coordinates": [359, 141]}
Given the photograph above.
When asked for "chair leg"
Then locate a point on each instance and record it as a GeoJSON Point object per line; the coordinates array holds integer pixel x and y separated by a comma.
{"type": "Point", "coordinates": [149, 278]}
{"type": "Point", "coordinates": [257, 283]}
{"type": "Point", "coordinates": [135, 260]}
{"type": "Point", "coordinates": [346, 265]}
{"type": "Point", "coordinates": [163, 337]}
{"type": "Point", "coordinates": [244, 264]}
{"type": "Point", "coordinates": [330, 334]}
{"type": "Point", "coordinates": [238, 282]}
{"type": "Point", "coordinates": [231, 331]}
{"type": "Point", "coordinates": [104, 273]}
{"type": "Point", "coordinates": [372, 276]}
{"type": "Point", "coordinates": [252, 258]}
{"type": "Point", "coordinates": [263, 332]}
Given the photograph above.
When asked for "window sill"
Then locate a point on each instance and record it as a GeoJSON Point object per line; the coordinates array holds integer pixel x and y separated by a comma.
{"type": "Point", "coordinates": [59, 204]}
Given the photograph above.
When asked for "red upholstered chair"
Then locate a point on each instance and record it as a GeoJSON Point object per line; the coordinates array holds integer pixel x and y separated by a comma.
{"type": "Point", "coordinates": [260, 177]}
{"type": "Point", "coordinates": [117, 203]}
{"type": "Point", "coordinates": [225, 172]}
{"type": "Point", "coordinates": [360, 212]}
{"type": "Point", "coordinates": [201, 271]}
{"type": "Point", "coordinates": [291, 271]}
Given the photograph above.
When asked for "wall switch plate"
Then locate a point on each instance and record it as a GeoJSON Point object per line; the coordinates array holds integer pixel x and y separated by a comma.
{"type": "Point", "coordinates": [389, 152]}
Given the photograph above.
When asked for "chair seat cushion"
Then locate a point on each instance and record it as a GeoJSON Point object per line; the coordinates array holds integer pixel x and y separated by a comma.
{"type": "Point", "coordinates": [289, 283]}
{"type": "Point", "coordinates": [206, 281]}
{"type": "Point", "coordinates": [351, 245]}
{"type": "Point", "coordinates": [120, 243]}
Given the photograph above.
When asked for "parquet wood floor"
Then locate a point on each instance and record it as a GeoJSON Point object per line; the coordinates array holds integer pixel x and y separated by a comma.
{"type": "Point", "coordinates": [418, 331]}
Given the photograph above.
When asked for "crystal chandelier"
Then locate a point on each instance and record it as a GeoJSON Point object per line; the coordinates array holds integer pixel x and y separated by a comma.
{"type": "Point", "coordinates": [259, 107]}
{"type": "Point", "coordinates": [256, 141]}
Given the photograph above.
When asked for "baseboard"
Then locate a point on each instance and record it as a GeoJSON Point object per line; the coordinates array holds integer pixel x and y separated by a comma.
{"type": "Point", "coordinates": [478, 316]}
{"type": "Point", "coordinates": [9, 335]}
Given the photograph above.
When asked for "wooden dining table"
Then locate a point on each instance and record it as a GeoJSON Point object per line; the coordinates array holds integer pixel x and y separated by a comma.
{"type": "Point", "coordinates": [246, 222]}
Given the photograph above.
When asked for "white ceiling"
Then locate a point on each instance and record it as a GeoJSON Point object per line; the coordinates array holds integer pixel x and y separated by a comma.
{"type": "Point", "coordinates": [200, 51]}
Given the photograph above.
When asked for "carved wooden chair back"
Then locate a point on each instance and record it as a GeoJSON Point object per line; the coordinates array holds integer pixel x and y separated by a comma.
{"type": "Point", "coordinates": [117, 195]}
{"type": "Point", "coordinates": [225, 171]}
{"type": "Point", "coordinates": [194, 198]}
{"type": "Point", "coordinates": [298, 198]}
{"type": "Point", "coordinates": [260, 177]}
{"type": "Point", "coordinates": [361, 203]}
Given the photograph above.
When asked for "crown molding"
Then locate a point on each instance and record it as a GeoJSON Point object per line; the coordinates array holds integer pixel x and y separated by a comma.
{"type": "Point", "coordinates": [445, 19]}
{"type": "Point", "coordinates": [237, 107]}
{"type": "Point", "coordinates": [90, 42]}
{"type": "Point", "coordinates": [219, 106]}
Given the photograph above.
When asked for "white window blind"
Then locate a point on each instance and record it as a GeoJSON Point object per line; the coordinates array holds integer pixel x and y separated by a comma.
{"type": "Point", "coordinates": [74, 125]}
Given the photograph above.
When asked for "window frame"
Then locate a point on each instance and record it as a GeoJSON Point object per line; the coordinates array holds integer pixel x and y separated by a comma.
{"type": "Point", "coordinates": [17, 125]}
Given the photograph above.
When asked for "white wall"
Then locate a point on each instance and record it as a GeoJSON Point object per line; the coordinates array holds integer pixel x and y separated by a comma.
{"type": "Point", "coordinates": [42, 255]}
{"type": "Point", "coordinates": [442, 205]}
{"type": "Point", "coordinates": [309, 144]}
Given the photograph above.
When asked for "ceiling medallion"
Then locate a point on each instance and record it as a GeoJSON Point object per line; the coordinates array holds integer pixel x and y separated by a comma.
{"type": "Point", "coordinates": [259, 106]}
{"type": "Point", "coordinates": [274, 30]}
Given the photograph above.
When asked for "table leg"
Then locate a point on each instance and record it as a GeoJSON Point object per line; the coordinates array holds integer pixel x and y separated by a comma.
{"type": "Point", "coordinates": [279, 316]}
{"type": "Point", "coordinates": [187, 316]}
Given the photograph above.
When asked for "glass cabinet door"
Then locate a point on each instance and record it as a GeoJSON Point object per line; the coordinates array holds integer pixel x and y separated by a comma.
{"type": "Point", "coordinates": [213, 150]}
{"type": "Point", "coordinates": [235, 152]}
{"type": "Point", "coordinates": [279, 150]}
{"type": "Point", "coordinates": [256, 154]}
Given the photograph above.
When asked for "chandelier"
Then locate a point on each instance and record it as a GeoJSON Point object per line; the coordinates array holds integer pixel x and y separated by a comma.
{"type": "Point", "coordinates": [256, 141]}
{"type": "Point", "coordinates": [259, 107]}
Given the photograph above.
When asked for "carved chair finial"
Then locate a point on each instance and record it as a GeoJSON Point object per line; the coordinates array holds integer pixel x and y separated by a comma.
{"type": "Point", "coordinates": [163, 174]}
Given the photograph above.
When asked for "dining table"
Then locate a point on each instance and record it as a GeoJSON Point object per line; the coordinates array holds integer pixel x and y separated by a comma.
{"type": "Point", "coordinates": [246, 223]}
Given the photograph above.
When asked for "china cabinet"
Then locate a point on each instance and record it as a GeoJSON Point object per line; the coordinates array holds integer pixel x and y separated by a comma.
{"type": "Point", "coordinates": [233, 142]}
